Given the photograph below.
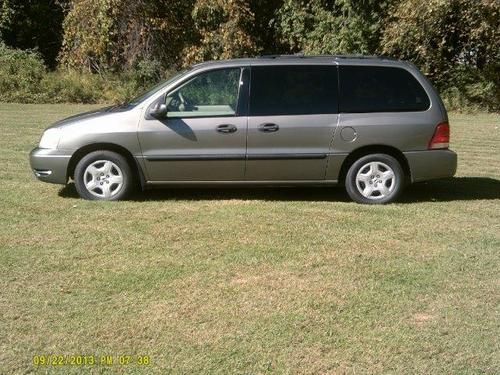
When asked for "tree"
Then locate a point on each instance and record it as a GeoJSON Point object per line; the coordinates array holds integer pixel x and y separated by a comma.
{"type": "Point", "coordinates": [263, 28]}
{"type": "Point", "coordinates": [326, 27]}
{"type": "Point", "coordinates": [115, 35]}
{"type": "Point", "coordinates": [88, 31]}
{"type": "Point", "coordinates": [33, 24]}
{"type": "Point", "coordinates": [455, 42]}
{"type": "Point", "coordinates": [224, 30]}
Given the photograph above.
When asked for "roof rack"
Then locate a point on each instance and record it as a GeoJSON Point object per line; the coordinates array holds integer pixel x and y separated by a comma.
{"type": "Point", "coordinates": [300, 55]}
{"type": "Point", "coordinates": [361, 56]}
{"type": "Point", "coordinates": [347, 56]}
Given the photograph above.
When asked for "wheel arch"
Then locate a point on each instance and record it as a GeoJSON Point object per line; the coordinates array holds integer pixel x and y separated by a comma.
{"type": "Point", "coordinates": [82, 151]}
{"type": "Point", "coordinates": [375, 149]}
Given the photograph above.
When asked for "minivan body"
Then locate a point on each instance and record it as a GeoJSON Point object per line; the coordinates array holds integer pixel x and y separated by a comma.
{"type": "Point", "coordinates": [373, 124]}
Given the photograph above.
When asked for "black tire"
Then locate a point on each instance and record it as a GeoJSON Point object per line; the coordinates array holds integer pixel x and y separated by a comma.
{"type": "Point", "coordinates": [381, 189]}
{"type": "Point", "coordinates": [115, 190]}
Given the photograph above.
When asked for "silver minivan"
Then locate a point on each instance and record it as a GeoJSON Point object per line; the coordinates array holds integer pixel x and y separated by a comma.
{"type": "Point", "coordinates": [373, 124]}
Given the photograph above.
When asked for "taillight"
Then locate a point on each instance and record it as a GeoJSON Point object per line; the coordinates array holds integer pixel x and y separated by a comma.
{"type": "Point", "coordinates": [441, 137]}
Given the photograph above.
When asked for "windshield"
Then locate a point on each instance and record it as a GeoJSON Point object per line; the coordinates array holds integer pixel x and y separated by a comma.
{"type": "Point", "coordinates": [156, 88]}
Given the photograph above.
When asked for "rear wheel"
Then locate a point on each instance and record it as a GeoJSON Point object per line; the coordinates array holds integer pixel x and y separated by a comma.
{"type": "Point", "coordinates": [103, 175]}
{"type": "Point", "coordinates": [375, 179]}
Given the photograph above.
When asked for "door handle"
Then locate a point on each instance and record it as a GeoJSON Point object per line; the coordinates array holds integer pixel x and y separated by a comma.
{"type": "Point", "coordinates": [226, 128]}
{"type": "Point", "coordinates": [269, 128]}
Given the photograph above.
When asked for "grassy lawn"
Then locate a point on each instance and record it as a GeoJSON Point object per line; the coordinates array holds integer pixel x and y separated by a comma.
{"type": "Point", "coordinates": [252, 281]}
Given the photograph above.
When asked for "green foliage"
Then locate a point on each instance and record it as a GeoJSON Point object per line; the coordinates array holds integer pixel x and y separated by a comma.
{"type": "Point", "coordinates": [24, 79]}
{"type": "Point", "coordinates": [88, 32]}
{"type": "Point", "coordinates": [20, 74]}
{"type": "Point", "coordinates": [470, 90]}
{"type": "Point", "coordinates": [223, 27]}
{"type": "Point", "coordinates": [33, 24]}
{"type": "Point", "coordinates": [322, 27]}
{"type": "Point", "coordinates": [455, 42]}
{"type": "Point", "coordinates": [263, 28]}
{"type": "Point", "coordinates": [147, 73]}
{"type": "Point", "coordinates": [71, 87]}
{"type": "Point", "coordinates": [115, 35]}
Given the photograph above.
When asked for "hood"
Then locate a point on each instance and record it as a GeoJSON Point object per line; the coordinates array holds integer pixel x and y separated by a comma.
{"type": "Point", "coordinates": [101, 112]}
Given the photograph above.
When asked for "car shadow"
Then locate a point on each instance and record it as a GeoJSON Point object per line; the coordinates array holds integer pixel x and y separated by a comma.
{"type": "Point", "coordinates": [452, 189]}
{"type": "Point", "coordinates": [180, 127]}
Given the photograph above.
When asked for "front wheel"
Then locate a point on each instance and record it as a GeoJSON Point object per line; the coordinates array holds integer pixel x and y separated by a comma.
{"type": "Point", "coordinates": [375, 179]}
{"type": "Point", "coordinates": [103, 175]}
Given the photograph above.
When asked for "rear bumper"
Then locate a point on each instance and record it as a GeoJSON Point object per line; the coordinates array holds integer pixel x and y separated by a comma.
{"type": "Point", "coordinates": [431, 164]}
{"type": "Point", "coordinates": [50, 165]}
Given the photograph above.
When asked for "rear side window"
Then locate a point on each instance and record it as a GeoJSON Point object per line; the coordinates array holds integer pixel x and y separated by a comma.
{"type": "Point", "coordinates": [380, 89]}
{"type": "Point", "coordinates": [293, 90]}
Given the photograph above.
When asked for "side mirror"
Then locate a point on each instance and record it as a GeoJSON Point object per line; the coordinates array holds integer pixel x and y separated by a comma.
{"type": "Point", "coordinates": [158, 111]}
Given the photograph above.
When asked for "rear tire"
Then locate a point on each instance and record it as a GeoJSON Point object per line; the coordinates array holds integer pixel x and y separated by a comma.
{"type": "Point", "coordinates": [375, 179]}
{"type": "Point", "coordinates": [103, 175]}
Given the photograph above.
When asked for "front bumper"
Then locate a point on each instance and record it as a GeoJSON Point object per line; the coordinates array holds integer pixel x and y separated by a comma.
{"type": "Point", "coordinates": [50, 165]}
{"type": "Point", "coordinates": [431, 164]}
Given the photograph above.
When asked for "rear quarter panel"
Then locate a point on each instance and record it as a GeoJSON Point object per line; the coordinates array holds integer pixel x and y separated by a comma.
{"type": "Point", "coordinates": [408, 131]}
{"type": "Point", "coordinates": [405, 131]}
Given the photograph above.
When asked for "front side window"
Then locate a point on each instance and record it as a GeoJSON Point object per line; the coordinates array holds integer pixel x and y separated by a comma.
{"type": "Point", "coordinates": [156, 88]}
{"type": "Point", "coordinates": [293, 90]}
{"type": "Point", "coordinates": [380, 89]}
{"type": "Point", "coordinates": [213, 93]}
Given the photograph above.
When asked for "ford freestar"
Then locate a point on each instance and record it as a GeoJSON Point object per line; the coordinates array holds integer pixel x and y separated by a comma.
{"type": "Point", "coordinates": [373, 124]}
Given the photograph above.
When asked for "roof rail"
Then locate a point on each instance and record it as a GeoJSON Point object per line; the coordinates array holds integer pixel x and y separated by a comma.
{"type": "Point", "coordinates": [361, 56]}
{"type": "Point", "coordinates": [347, 56]}
{"type": "Point", "coordinates": [296, 55]}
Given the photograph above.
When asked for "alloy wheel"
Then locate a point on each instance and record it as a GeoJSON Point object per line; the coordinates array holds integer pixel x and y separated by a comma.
{"type": "Point", "coordinates": [375, 180]}
{"type": "Point", "coordinates": [103, 179]}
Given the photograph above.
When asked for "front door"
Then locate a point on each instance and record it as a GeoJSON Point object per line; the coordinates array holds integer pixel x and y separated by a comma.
{"type": "Point", "coordinates": [293, 116]}
{"type": "Point", "coordinates": [203, 137]}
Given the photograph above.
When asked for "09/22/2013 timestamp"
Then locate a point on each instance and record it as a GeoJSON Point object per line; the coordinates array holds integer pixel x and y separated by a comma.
{"type": "Point", "coordinates": [56, 360]}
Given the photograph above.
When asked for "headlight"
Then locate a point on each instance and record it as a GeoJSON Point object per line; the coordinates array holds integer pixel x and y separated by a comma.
{"type": "Point", "coordinates": [50, 138]}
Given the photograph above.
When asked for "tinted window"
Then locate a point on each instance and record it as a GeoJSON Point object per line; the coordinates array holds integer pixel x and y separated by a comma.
{"type": "Point", "coordinates": [214, 93]}
{"type": "Point", "coordinates": [380, 89]}
{"type": "Point", "coordinates": [293, 90]}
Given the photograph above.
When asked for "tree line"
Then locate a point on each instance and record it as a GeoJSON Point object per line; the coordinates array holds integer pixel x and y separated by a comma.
{"type": "Point", "coordinates": [455, 42]}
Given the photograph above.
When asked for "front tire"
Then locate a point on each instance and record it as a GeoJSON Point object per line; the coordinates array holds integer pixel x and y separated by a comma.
{"type": "Point", "coordinates": [103, 175]}
{"type": "Point", "coordinates": [375, 179]}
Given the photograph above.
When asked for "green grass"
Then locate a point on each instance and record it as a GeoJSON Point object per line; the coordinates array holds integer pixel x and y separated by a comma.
{"type": "Point", "coordinates": [252, 281]}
